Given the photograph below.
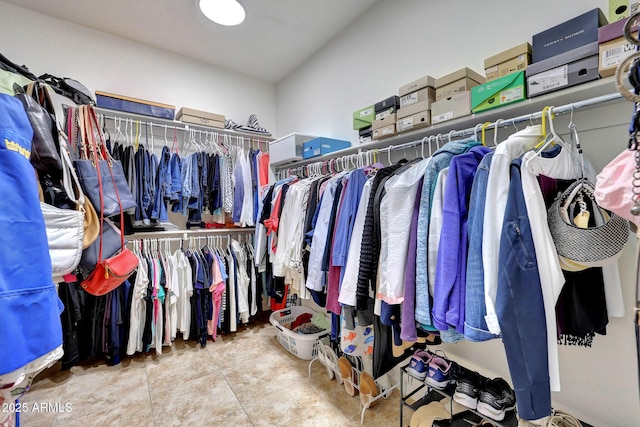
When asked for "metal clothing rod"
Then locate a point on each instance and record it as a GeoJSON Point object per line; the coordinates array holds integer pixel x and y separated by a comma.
{"type": "Point", "coordinates": [244, 139]}
{"type": "Point", "coordinates": [347, 161]}
{"type": "Point", "coordinates": [191, 233]}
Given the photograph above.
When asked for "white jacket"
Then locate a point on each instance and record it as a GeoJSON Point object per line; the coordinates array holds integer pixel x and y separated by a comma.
{"type": "Point", "coordinates": [496, 202]}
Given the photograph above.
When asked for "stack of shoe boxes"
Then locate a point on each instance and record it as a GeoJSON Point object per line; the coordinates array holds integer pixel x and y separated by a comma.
{"type": "Point", "coordinates": [565, 55]}
{"type": "Point", "coordinates": [386, 110]}
{"type": "Point", "coordinates": [505, 79]}
{"type": "Point", "coordinates": [415, 104]}
{"type": "Point", "coordinates": [614, 47]}
{"type": "Point", "coordinates": [362, 121]}
{"type": "Point", "coordinates": [453, 94]}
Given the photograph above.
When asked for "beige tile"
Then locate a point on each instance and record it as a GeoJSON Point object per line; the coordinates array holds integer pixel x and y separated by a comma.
{"type": "Point", "coordinates": [198, 403]}
{"type": "Point", "coordinates": [172, 369]}
{"type": "Point", "coordinates": [333, 392]}
{"type": "Point", "coordinates": [103, 394]}
{"type": "Point", "coordinates": [386, 412]}
{"type": "Point", "coordinates": [287, 403]}
{"type": "Point", "coordinates": [33, 417]}
{"type": "Point", "coordinates": [270, 367]}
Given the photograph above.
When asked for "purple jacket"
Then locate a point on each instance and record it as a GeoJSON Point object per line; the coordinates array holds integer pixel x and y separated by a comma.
{"type": "Point", "coordinates": [448, 295]}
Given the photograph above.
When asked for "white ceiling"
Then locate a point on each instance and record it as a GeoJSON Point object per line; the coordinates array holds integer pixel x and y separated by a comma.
{"type": "Point", "coordinates": [276, 37]}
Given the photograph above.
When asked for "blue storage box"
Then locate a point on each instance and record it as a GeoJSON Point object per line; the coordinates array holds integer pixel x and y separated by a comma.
{"type": "Point", "coordinates": [320, 146]}
{"type": "Point", "coordinates": [134, 105]}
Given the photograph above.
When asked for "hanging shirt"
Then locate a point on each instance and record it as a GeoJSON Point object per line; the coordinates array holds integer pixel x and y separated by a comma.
{"type": "Point", "coordinates": [315, 277]}
{"type": "Point", "coordinates": [496, 201]}
{"type": "Point", "coordinates": [350, 278]}
{"type": "Point", "coordinates": [435, 227]}
{"type": "Point", "coordinates": [396, 211]}
{"type": "Point", "coordinates": [138, 308]}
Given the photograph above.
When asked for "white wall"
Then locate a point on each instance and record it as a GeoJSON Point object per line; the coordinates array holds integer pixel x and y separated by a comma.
{"type": "Point", "coordinates": [399, 41]}
{"type": "Point", "coordinates": [104, 62]}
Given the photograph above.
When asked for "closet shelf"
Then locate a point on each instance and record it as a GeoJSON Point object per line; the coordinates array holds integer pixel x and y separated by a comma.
{"type": "Point", "coordinates": [529, 106]}
{"type": "Point", "coordinates": [171, 124]}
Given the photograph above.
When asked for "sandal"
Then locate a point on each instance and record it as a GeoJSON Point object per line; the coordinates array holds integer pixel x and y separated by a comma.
{"type": "Point", "coordinates": [348, 375]}
{"type": "Point", "coordinates": [368, 389]}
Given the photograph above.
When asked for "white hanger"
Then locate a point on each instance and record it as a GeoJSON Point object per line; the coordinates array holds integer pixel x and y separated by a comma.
{"type": "Point", "coordinates": [495, 132]}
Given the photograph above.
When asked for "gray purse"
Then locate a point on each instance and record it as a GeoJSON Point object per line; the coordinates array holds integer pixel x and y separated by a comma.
{"type": "Point", "coordinates": [597, 245]}
{"type": "Point", "coordinates": [65, 233]}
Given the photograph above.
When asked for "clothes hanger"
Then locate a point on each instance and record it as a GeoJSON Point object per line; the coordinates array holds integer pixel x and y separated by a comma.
{"type": "Point", "coordinates": [543, 119]}
{"type": "Point", "coordinates": [451, 134]}
{"type": "Point", "coordinates": [476, 128]}
{"type": "Point", "coordinates": [430, 149]}
{"type": "Point", "coordinates": [484, 128]}
{"type": "Point", "coordinates": [495, 132]}
{"type": "Point", "coordinates": [551, 137]}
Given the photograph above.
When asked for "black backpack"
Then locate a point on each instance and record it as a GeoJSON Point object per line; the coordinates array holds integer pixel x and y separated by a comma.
{"type": "Point", "coordinates": [7, 65]}
{"type": "Point", "coordinates": [69, 88]}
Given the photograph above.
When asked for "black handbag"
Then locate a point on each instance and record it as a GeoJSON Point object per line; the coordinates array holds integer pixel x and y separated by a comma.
{"type": "Point", "coordinates": [45, 155]}
{"type": "Point", "coordinates": [110, 170]}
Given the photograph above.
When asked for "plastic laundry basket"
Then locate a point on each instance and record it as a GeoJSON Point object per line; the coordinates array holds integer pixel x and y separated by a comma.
{"type": "Point", "coordinates": [304, 346]}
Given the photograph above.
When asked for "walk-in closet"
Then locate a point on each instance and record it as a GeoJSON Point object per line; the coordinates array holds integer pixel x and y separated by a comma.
{"type": "Point", "coordinates": [379, 213]}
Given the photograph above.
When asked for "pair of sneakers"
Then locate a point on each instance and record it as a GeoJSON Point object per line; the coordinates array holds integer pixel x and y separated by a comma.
{"type": "Point", "coordinates": [251, 126]}
{"type": "Point", "coordinates": [437, 371]}
{"type": "Point", "coordinates": [492, 398]}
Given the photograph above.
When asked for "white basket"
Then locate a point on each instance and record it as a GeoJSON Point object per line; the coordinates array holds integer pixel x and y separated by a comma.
{"type": "Point", "coordinates": [304, 346]}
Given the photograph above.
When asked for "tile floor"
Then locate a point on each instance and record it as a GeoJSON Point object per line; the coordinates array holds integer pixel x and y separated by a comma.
{"type": "Point", "coordinates": [243, 379]}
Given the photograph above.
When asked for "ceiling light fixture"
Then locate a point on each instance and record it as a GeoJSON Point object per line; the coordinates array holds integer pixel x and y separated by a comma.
{"type": "Point", "coordinates": [223, 12]}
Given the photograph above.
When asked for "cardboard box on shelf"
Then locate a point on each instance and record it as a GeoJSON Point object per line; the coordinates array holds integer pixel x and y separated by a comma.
{"type": "Point", "coordinates": [620, 9]}
{"type": "Point", "coordinates": [185, 111]}
{"type": "Point", "coordinates": [573, 55]}
{"type": "Point", "coordinates": [575, 73]}
{"type": "Point", "coordinates": [364, 131]}
{"type": "Point", "coordinates": [201, 121]}
{"type": "Point", "coordinates": [613, 47]}
{"type": "Point", "coordinates": [288, 148]}
{"type": "Point", "coordinates": [448, 109]}
{"type": "Point", "coordinates": [509, 61]}
{"type": "Point", "coordinates": [385, 104]}
{"type": "Point", "coordinates": [417, 96]}
{"type": "Point", "coordinates": [414, 108]}
{"type": "Point", "coordinates": [363, 117]}
{"type": "Point", "coordinates": [134, 105]}
{"type": "Point", "coordinates": [422, 82]}
{"type": "Point", "coordinates": [496, 93]}
{"type": "Point", "coordinates": [319, 146]}
{"type": "Point", "coordinates": [456, 82]}
{"type": "Point", "coordinates": [385, 121]}
{"type": "Point", "coordinates": [385, 132]}
{"type": "Point", "coordinates": [576, 32]}
{"type": "Point", "coordinates": [365, 138]}
{"type": "Point", "coordinates": [384, 113]}
{"type": "Point", "coordinates": [415, 121]}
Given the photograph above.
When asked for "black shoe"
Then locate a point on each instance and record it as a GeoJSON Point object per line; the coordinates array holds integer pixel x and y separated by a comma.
{"type": "Point", "coordinates": [468, 388]}
{"type": "Point", "coordinates": [496, 398]}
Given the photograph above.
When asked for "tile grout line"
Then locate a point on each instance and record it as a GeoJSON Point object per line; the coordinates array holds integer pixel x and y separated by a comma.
{"type": "Point", "coordinates": [146, 375]}
{"type": "Point", "coordinates": [236, 396]}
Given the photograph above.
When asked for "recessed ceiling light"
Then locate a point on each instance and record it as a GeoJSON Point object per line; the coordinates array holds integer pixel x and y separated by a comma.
{"type": "Point", "coordinates": [223, 12]}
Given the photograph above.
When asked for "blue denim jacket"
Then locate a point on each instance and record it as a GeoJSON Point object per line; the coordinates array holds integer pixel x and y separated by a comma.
{"type": "Point", "coordinates": [163, 187]}
{"type": "Point", "coordinates": [440, 160]}
{"type": "Point", "coordinates": [475, 327]}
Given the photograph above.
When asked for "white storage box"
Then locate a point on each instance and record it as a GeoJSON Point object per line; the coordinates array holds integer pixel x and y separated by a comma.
{"type": "Point", "coordinates": [304, 346]}
{"type": "Point", "coordinates": [288, 148]}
